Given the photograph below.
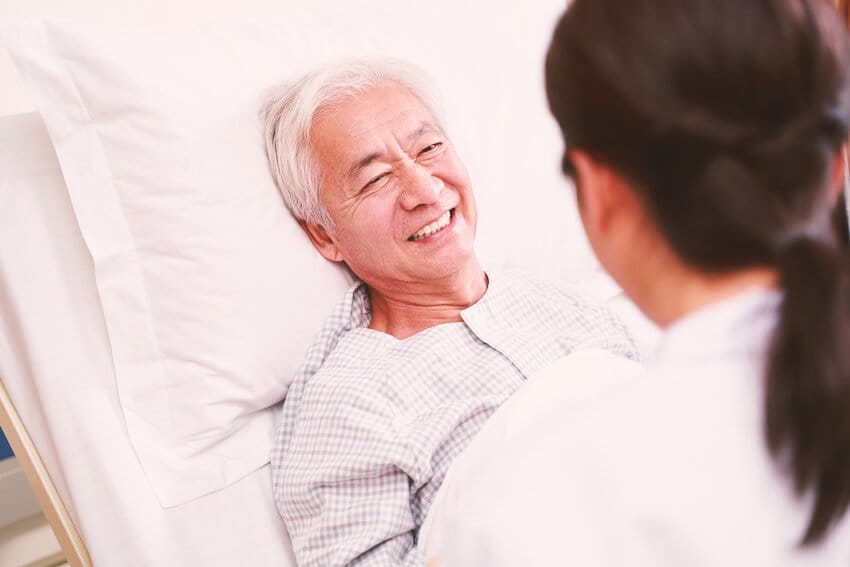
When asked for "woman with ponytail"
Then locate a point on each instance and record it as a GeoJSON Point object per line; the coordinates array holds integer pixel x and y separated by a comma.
{"type": "Point", "coordinates": [704, 138]}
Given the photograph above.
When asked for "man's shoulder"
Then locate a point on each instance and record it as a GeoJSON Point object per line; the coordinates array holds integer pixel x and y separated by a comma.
{"type": "Point", "coordinates": [547, 307]}
{"type": "Point", "coordinates": [515, 283]}
{"type": "Point", "coordinates": [342, 387]}
{"type": "Point", "coordinates": [350, 312]}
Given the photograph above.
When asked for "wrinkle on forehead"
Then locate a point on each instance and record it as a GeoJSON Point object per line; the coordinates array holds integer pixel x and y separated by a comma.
{"type": "Point", "coordinates": [395, 95]}
{"type": "Point", "coordinates": [340, 131]}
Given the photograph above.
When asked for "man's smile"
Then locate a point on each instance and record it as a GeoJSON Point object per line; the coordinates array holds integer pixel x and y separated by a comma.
{"type": "Point", "coordinates": [433, 227]}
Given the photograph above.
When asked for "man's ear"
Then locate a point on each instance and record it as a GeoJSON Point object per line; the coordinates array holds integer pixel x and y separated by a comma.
{"type": "Point", "coordinates": [322, 240]}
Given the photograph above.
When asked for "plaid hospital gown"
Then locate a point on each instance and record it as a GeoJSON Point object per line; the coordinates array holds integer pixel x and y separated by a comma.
{"type": "Point", "coordinates": [371, 423]}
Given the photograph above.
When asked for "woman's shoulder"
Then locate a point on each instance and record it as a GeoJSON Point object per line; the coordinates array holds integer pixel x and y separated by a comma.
{"type": "Point", "coordinates": [594, 415]}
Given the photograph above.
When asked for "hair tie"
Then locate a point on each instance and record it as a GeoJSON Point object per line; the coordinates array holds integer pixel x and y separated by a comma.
{"type": "Point", "coordinates": [787, 240]}
{"type": "Point", "coordinates": [828, 123]}
{"type": "Point", "coordinates": [820, 232]}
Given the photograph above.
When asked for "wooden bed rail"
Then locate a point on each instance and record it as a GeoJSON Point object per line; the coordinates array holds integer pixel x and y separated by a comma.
{"type": "Point", "coordinates": [42, 485]}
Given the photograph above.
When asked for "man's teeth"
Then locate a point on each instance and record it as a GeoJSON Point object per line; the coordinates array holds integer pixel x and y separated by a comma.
{"type": "Point", "coordinates": [435, 226]}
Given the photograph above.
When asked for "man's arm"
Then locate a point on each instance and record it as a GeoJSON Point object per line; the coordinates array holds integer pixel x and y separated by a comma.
{"type": "Point", "coordinates": [344, 486]}
{"type": "Point", "coordinates": [355, 521]}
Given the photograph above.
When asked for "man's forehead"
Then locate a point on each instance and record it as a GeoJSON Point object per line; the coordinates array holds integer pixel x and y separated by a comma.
{"type": "Point", "coordinates": [344, 132]}
{"type": "Point", "coordinates": [361, 116]}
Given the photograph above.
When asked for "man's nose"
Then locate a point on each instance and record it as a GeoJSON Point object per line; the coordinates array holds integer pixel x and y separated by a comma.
{"type": "Point", "coordinates": [419, 187]}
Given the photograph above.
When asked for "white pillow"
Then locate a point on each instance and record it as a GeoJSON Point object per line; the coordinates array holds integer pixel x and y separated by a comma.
{"type": "Point", "coordinates": [210, 291]}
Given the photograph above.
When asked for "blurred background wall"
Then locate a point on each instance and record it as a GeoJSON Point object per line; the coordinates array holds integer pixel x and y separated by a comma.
{"type": "Point", "coordinates": [173, 13]}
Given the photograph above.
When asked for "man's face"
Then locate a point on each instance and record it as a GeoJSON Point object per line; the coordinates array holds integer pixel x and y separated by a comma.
{"type": "Point", "coordinates": [398, 194]}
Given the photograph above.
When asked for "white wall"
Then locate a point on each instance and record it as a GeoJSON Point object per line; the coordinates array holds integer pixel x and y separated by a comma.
{"type": "Point", "coordinates": [178, 13]}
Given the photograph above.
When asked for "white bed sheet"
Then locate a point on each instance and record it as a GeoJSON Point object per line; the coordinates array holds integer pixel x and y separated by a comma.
{"type": "Point", "coordinates": [56, 363]}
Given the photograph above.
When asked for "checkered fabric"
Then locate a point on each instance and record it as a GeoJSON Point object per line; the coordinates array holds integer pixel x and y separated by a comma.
{"type": "Point", "coordinates": [371, 423]}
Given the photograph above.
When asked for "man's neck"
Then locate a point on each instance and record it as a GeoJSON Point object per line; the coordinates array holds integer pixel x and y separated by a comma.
{"type": "Point", "coordinates": [414, 307]}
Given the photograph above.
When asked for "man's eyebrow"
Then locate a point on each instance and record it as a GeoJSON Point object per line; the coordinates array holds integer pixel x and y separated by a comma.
{"type": "Point", "coordinates": [424, 128]}
{"type": "Point", "coordinates": [361, 163]}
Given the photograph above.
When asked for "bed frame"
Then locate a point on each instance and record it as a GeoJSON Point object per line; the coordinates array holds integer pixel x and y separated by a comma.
{"type": "Point", "coordinates": [42, 485]}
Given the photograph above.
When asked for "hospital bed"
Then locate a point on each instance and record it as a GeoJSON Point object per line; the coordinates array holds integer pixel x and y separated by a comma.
{"type": "Point", "coordinates": [59, 404]}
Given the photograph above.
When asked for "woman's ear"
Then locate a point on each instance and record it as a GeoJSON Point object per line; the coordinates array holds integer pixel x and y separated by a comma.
{"type": "Point", "coordinates": [595, 193]}
{"type": "Point", "coordinates": [606, 200]}
{"type": "Point", "coordinates": [322, 240]}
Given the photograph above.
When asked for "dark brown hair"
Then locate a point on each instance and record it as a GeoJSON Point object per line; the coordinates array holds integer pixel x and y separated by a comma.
{"type": "Point", "coordinates": [726, 116]}
{"type": "Point", "coordinates": [840, 221]}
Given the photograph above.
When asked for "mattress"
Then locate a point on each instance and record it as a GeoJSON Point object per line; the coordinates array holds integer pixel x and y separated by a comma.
{"type": "Point", "coordinates": [56, 363]}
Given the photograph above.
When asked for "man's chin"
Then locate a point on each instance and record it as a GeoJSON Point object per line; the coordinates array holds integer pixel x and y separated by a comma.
{"type": "Point", "coordinates": [443, 267]}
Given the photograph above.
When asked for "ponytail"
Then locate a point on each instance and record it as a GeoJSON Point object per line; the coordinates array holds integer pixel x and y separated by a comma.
{"type": "Point", "coordinates": [808, 380]}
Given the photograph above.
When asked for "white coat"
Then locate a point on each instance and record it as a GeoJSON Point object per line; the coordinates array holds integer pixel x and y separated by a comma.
{"type": "Point", "coordinates": [666, 469]}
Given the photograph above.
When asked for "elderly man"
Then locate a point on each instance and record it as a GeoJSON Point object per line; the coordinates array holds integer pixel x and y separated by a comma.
{"type": "Point", "coordinates": [426, 345]}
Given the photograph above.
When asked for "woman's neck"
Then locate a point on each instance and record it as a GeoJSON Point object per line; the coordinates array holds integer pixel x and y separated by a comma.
{"type": "Point", "coordinates": [683, 290]}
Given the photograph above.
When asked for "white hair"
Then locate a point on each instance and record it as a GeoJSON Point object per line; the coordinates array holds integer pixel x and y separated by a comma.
{"type": "Point", "coordinates": [288, 118]}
